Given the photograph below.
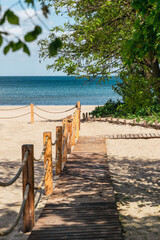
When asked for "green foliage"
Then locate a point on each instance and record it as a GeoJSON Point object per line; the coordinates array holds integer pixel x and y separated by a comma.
{"type": "Point", "coordinates": [31, 36]}
{"type": "Point", "coordinates": [1, 40]}
{"type": "Point", "coordinates": [54, 46]}
{"type": "Point", "coordinates": [30, 2]}
{"type": "Point", "coordinates": [106, 35]}
{"type": "Point", "coordinates": [136, 91]}
{"type": "Point", "coordinates": [15, 46]}
{"type": "Point", "coordinates": [108, 109]}
{"type": "Point", "coordinates": [89, 48]}
{"type": "Point", "coordinates": [12, 18]}
{"type": "Point", "coordinates": [150, 113]}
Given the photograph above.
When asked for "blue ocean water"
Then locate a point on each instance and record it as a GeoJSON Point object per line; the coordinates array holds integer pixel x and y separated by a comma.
{"type": "Point", "coordinates": [54, 90]}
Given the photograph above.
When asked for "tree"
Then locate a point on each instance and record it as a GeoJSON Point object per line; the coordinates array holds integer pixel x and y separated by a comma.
{"type": "Point", "coordinates": [105, 37]}
{"type": "Point", "coordinates": [93, 39]}
{"type": "Point", "coordinates": [11, 17]}
{"type": "Point", "coordinates": [143, 47]}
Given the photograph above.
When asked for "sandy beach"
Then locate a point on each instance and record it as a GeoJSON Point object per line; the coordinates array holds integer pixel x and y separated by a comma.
{"type": "Point", "coordinates": [134, 167]}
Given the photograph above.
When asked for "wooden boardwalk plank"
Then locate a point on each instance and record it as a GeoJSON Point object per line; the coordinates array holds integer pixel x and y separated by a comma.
{"type": "Point", "coordinates": [82, 205]}
{"type": "Point", "coordinates": [134, 136]}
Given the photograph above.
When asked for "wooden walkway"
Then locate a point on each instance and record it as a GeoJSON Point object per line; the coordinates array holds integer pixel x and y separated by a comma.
{"type": "Point", "coordinates": [134, 136]}
{"type": "Point", "coordinates": [82, 205]}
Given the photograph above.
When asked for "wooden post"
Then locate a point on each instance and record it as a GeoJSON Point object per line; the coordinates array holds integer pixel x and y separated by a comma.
{"type": "Point", "coordinates": [32, 113]}
{"type": "Point", "coordinates": [79, 114]}
{"type": "Point", "coordinates": [73, 130]}
{"type": "Point", "coordinates": [28, 178]}
{"type": "Point", "coordinates": [77, 125]}
{"type": "Point", "coordinates": [48, 157]}
{"type": "Point", "coordinates": [100, 118]}
{"type": "Point", "coordinates": [84, 117]}
{"type": "Point", "coordinates": [64, 140]}
{"type": "Point", "coordinates": [59, 150]}
{"type": "Point", "coordinates": [70, 136]}
{"type": "Point", "coordinates": [125, 122]}
{"type": "Point", "coordinates": [94, 118]}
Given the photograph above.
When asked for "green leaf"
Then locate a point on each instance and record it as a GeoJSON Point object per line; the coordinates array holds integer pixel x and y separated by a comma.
{"type": "Point", "coordinates": [54, 46]}
{"type": "Point", "coordinates": [2, 20]}
{"type": "Point", "coordinates": [11, 17]}
{"type": "Point", "coordinates": [7, 48]}
{"type": "Point", "coordinates": [26, 49]}
{"type": "Point", "coordinates": [31, 36]}
{"type": "Point", "coordinates": [17, 46]}
{"type": "Point", "coordinates": [1, 40]}
{"type": "Point", "coordinates": [30, 2]}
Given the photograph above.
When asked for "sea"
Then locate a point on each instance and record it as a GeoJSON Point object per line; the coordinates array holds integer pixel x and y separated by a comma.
{"type": "Point", "coordinates": [54, 90]}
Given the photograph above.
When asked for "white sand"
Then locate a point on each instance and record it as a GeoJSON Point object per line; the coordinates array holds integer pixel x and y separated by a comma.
{"type": "Point", "coordinates": [134, 166]}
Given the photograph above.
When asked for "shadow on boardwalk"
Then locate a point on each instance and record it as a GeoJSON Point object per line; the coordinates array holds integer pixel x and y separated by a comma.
{"type": "Point", "coordinates": [82, 205]}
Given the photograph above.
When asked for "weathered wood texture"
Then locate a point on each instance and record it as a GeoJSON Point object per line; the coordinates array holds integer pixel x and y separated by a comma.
{"type": "Point", "coordinates": [59, 150]}
{"type": "Point", "coordinates": [48, 157]}
{"type": "Point", "coordinates": [28, 178]}
{"type": "Point", "coordinates": [69, 144]}
{"type": "Point", "coordinates": [134, 136]}
{"type": "Point", "coordinates": [82, 205]}
{"type": "Point", "coordinates": [64, 139]}
{"type": "Point", "coordinates": [73, 130]}
{"type": "Point", "coordinates": [79, 113]}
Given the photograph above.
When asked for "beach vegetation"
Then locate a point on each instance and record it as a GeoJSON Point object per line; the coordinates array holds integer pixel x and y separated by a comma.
{"type": "Point", "coordinates": [117, 109]}
{"type": "Point", "coordinates": [105, 38]}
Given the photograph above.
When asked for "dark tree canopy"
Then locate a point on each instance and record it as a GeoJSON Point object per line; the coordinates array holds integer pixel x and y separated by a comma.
{"type": "Point", "coordinates": [103, 38]}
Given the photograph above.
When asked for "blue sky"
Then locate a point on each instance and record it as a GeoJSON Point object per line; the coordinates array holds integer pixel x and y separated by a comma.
{"type": "Point", "coordinates": [18, 63]}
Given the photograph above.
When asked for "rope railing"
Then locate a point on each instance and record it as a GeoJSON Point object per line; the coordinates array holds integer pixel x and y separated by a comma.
{"type": "Point", "coordinates": [66, 138]}
{"type": "Point", "coordinates": [47, 118]}
{"type": "Point", "coordinates": [22, 115]}
{"type": "Point", "coordinates": [43, 151]}
{"type": "Point", "coordinates": [32, 113]}
{"type": "Point", "coordinates": [55, 112]}
{"type": "Point", "coordinates": [10, 229]}
{"type": "Point", "coordinates": [11, 109]}
{"type": "Point", "coordinates": [43, 177]}
{"type": "Point", "coordinates": [10, 182]}
{"type": "Point", "coordinates": [54, 143]}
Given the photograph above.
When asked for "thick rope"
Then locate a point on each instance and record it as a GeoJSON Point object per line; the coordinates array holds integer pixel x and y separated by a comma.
{"type": "Point", "coordinates": [9, 230]}
{"type": "Point", "coordinates": [48, 118]}
{"type": "Point", "coordinates": [15, 116]}
{"type": "Point", "coordinates": [43, 178]}
{"type": "Point", "coordinates": [54, 142]}
{"type": "Point", "coordinates": [3, 184]}
{"type": "Point", "coordinates": [43, 151]}
{"type": "Point", "coordinates": [10, 109]}
{"type": "Point", "coordinates": [55, 112]}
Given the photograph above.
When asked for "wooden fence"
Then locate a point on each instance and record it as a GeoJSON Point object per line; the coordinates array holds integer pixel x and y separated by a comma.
{"type": "Point", "coordinates": [66, 137]}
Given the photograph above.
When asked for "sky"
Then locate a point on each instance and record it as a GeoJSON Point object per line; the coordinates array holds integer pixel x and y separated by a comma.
{"type": "Point", "coordinates": [19, 63]}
